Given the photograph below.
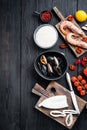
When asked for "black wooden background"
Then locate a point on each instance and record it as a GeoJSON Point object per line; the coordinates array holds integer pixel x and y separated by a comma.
{"type": "Point", "coordinates": [17, 54]}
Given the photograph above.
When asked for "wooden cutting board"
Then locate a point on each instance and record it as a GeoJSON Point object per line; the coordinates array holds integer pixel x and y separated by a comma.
{"type": "Point", "coordinates": [52, 89]}
{"type": "Point", "coordinates": [73, 48]}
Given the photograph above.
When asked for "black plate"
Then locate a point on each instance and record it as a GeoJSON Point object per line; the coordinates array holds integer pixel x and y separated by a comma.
{"type": "Point", "coordinates": [59, 55]}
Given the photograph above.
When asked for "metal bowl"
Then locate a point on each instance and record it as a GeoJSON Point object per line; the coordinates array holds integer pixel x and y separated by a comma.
{"type": "Point", "coordinates": [45, 41]}
{"type": "Point", "coordinates": [40, 14]}
{"type": "Point", "coordinates": [63, 65]}
{"type": "Point", "coordinates": [47, 20]}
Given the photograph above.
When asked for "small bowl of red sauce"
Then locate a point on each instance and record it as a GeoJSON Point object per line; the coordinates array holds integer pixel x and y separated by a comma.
{"type": "Point", "coordinates": [45, 16]}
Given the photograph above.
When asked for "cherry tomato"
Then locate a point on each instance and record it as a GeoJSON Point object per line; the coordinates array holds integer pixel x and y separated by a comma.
{"type": "Point", "coordinates": [85, 86]}
{"type": "Point", "coordinates": [82, 92]}
{"type": "Point", "coordinates": [77, 62]}
{"type": "Point", "coordinates": [83, 81]}
{"type": "Point", "coordinates": [85, 71]}
{"type": "Point", "coordinates": [79, 77]}
{"type": "Point", "coordinates": [72, 67]}
{"type": "Point", "coordinates": [84, 39]}
{"type": "Point", "coordinates": [76, 83]}
{"type": "Point", "coordinates": [79, 88]}
{"type": "Point", "coordinates": [83, 63]}
{"type": "Point", "coordinates": [73, 78]}
{"type": "Point", "coordinates": [70, 18]}
{"type": "Point", "coordinates": [62, 45]}
{"type": "Point", "coordinates": [78, 50]}
{"type": "Point", "coordinates": [84, 58]}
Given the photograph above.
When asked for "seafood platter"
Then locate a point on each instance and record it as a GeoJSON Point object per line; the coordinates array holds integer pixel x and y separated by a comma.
{"type": "Point", "coordinates": [72, 33]}
{"type": "Point", "coordinates": [57, 102]}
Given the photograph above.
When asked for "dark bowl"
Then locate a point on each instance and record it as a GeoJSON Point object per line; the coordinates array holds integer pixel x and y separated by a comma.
{"type": "Point", "coordinates": [63, 64]}
{"type": "Point", "coordinates": [47, 18]}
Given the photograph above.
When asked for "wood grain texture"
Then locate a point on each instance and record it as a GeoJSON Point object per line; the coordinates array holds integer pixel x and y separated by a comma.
{"type": "Point", "coordinates": [17, 54]}
{"type": "Point", "coordinates": [9, 65]}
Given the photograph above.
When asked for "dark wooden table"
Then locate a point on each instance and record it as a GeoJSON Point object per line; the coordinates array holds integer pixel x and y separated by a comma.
{"type": "Point", "coordinates": [17, 54]}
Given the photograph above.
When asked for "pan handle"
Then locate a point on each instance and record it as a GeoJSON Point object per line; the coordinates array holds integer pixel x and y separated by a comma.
{"type": "Point", "coordinates": [58, 13]}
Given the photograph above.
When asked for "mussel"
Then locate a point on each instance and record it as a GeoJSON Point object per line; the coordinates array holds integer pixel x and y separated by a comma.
{"type": "Point", "coordinates": [43, 60]}
{"type": "Point", "coordinates": [57, 70]}
{"type": "Point", "coordinates": [50, 69]}
{"type": "Point", "coordinates": [56, 61]}
{"type": "Point", "coordinates": [42, 68]}
{"type": "Point", "coordinates": [50, 59]}
{"type": "Point", "coordinates": [50, 65]}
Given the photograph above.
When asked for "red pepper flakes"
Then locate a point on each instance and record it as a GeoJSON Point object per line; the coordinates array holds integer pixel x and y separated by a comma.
{"type": "Point", "coordinates": [78, 50]}
{"type": "Point", "coordinates": [46, 16]}
{"type": "Point", "coordinates": [70, 18]}
{"type": "Point", "coordinates": [62, 45]}
{"type": "Point", "coordinates": [77, 62]}
{"type": "Point", "coordinates": [84, 39]}
{"type": "Point", "coordinates": [72, 67]}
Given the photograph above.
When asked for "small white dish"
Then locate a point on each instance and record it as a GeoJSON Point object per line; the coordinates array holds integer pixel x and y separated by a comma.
{"type": "Point", "coordinates": [45, 36]}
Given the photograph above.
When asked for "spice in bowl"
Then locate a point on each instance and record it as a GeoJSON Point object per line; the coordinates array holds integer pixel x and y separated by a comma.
{"type": "Point", "coordinates": [46, 16]}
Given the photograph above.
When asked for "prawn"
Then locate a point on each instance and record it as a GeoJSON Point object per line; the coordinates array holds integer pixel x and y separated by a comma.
{"type": "Point", "coordinates": [67, 24]}
{"type": "Point", "coordinates": [70, 37]}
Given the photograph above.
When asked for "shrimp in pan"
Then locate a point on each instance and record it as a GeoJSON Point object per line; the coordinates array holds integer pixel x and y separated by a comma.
{"type": "Point", "coordinates": [67, 24]}
{"type": "Point", "coordinates": [70, 37]}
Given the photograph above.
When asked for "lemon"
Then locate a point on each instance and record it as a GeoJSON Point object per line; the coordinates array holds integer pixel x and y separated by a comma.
{"type": "Point", "coordinates": [80, 15]}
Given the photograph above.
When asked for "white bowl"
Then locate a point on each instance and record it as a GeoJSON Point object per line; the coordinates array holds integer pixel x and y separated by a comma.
{"type": "Point", "coordinates": [45, 36]}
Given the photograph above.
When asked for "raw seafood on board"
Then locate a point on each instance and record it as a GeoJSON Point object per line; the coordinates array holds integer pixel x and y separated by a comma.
{"type": "Point", "coordinates": [72, 33]}
{"type": "Point", "coordinates": [65, 116]}
{"type": "Point", "coordinates": [75, 35]}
